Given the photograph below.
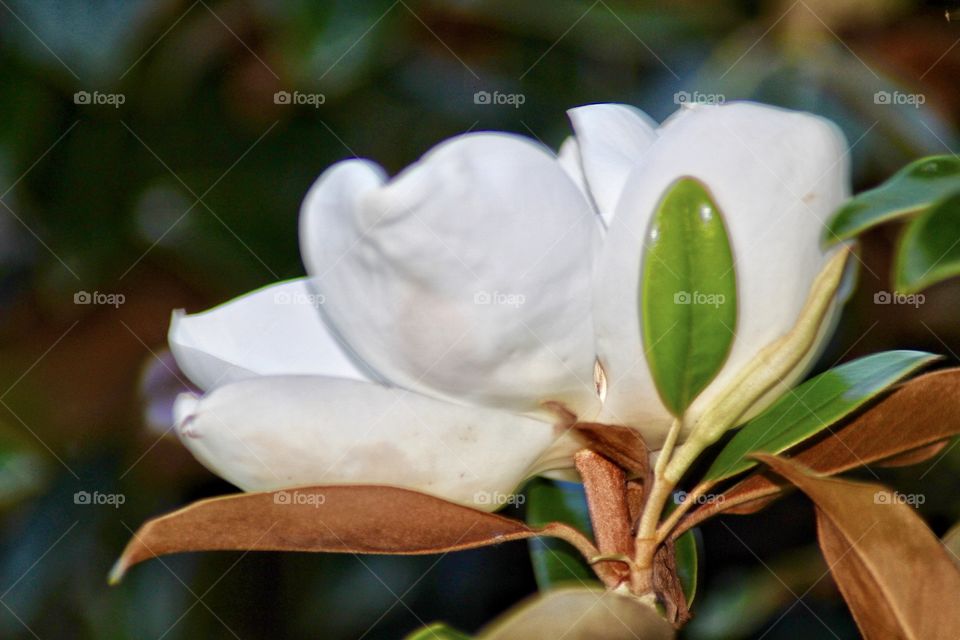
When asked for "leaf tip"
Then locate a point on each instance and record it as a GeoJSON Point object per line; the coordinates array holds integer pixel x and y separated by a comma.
{"type": "Point", "coordinates": [775, 462]}
{"type": "Point", "coordinates": [117, 571]}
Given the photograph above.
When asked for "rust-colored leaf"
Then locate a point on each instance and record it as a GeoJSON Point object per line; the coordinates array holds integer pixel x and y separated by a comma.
{"type": "Point", "coordinates": [338, 519]}
{"type": "Point", "coordinates": [622, 445]}
{"type": "Point", "coordinates": [579, 614]}
{"type": "Point", "coordinates": [606, 488]}
{"type": "Point", "coordinates": [951, 541]}
{"type": "Point", "coordinates": [666, 583]}
{"type": "Point", "coordinates": [908, 426]}
{"type": "Point", "coordinates": [914, 456]}
{"type": "Point", "coordinates": [636, 496]}
{"type": "Point", "coordinates": [895, 575]}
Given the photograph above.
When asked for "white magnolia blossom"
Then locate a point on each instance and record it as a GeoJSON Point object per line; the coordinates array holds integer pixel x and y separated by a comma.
{"type": "Point", "coordinates": [449, 312]}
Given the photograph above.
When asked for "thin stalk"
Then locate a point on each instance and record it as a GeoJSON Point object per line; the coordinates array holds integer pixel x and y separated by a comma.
{"type": "Point", "coordinates": [663, 532]}
{"type": "Point", "coordinates": [646, 543]}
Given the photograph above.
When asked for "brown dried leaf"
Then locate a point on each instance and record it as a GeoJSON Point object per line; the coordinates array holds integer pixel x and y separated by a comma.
{"type": "Point", "coordinates": [606, 487]}
{"type": "Point", "coordinates": [895, 575]}
{"type": "Point", "coordinates": [579, 614]}
{"type": "Point", "coordinates": [338, 519]}
{"type": "Point", "coordinates": [667, 585]}
{"type": "Point", "coordinates": [912, 421]}
{"type": "Point", "coordinates": [636, 497]}
{"type": "Point", "coordinates": [622, 445]}
{"type": "Point", "coordinates": [951, 540]}
{"type": "Point", "coordinates": [914, 456]}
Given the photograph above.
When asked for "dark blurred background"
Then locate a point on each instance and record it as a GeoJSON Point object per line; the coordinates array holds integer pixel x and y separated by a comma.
{"type": "Point", "coordinates": [145, 161]}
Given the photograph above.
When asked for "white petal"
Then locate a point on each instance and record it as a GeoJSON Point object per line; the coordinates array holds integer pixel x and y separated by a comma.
{"type": "Point", "coordinates": [273, 432]}
{"type": "Point", "coordinates": [777, 176]}
{"type": "Point", "coordinates": [466, 276]}
{"type": "Point", "coordinates": [613, 139]}
{"type": "Point", "coordinates": [569, 158]}
{"type": "Point", "coordinates": [274, 330]}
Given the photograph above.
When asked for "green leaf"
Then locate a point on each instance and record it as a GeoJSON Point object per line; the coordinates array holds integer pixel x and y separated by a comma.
{"type": "Point", "coordinates": [813, 406]}
{"type": "Point", "coordinates": [437, 631]}
{"type": "Point", "coordinates": [687, 293]}
{"type": "Point", "coordinates": [686, 552]}
{"type": "Point", "coordinates": [930, 248]}
{"type": "Point", "coordinates": [913, 189]}
{"type": "Point", "coordinates": [554, 561]}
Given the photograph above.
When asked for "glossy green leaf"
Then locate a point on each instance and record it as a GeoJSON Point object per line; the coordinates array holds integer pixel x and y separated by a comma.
{"type": "Point", "coordinates": [813, 406]}
{"type": "Point", "coordinates": [913, 189]}
{"type": "Point", "coordinates": [687, 293]}
{"type": "Point", "coordinates": [930, 248]}
{"type": "Point", "coordinates": [554, 561]}
{"type": "Point", "coordinates": [437, 631]}
{"type": "Point", "coordinates": [686, 550]}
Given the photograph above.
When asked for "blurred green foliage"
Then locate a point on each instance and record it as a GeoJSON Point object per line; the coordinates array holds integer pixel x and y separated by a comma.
{"type": "Point", "coordinates": [187, 194]}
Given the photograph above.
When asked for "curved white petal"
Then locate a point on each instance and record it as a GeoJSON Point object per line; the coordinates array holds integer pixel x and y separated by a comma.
{"type": "Point", "coordinates": [569, 158]}
{"type": "Point", "coordinates": [273, 432]}
{"type": "Point", "coordinates": [271, 331]}
{"type": "Point", "coordinates": [776, 175]}
{"type": "Point", "coordinates": [612, 139]}
{"type": "Point", "coordinates": [466, 276]}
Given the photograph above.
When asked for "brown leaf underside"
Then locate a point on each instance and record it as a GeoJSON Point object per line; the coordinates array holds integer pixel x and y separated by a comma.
{"type": "Point", "coordinates": [667, 584]}
{"type": "Point", "coordinates": [622, 445]}
{"type": "Point", "coordinates": [895, 575]}
{"type": "Point", "coordinates": [606, 487]}
{"type": "Point", "coordinates": [338, 519]}
{"type": "Point", "coordinates": [907, 427]}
